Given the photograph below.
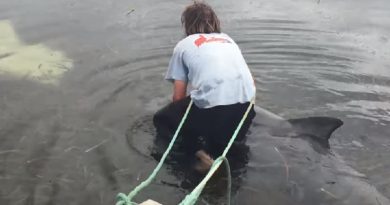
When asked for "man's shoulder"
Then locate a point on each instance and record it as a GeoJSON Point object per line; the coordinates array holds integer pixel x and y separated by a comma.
{"type": "Point", "coordinates": [187, 41]}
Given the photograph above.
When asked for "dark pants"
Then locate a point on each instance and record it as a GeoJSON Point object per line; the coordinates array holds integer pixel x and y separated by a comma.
{"type": "Point", "coordinates": [209, 129]}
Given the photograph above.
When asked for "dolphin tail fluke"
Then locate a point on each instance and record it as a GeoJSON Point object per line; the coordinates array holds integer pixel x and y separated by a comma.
{"type": "Point", "coordinates": [320, 128]}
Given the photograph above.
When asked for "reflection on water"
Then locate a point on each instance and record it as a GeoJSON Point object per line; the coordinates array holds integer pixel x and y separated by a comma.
{"type": "Point", "coordinates": [308, 58]}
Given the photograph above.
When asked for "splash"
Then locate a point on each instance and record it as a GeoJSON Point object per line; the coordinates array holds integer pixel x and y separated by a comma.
{"type": "Point", "coordinates": [36, 62]}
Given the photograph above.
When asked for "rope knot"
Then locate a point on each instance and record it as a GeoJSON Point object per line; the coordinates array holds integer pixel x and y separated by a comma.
{"type": "Point", "coordinates": [122, 199]}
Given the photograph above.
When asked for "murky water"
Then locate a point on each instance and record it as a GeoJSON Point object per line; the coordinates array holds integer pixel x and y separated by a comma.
{"type": "Point", "coordinates": [88, 71]}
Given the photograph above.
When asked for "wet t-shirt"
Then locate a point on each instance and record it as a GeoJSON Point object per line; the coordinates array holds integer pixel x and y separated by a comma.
{"type": "Point", "coordinates": [213, 66]}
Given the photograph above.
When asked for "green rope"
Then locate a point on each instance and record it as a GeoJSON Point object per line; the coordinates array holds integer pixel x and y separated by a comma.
{"type": "Point", "coordinates": [191, 198]}
{"type": "Point", "coordinates": [127, 200]}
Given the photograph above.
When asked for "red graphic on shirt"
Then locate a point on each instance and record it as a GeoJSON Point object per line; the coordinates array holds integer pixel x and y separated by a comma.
{"type": "Point", "coordinates": [201, 40]}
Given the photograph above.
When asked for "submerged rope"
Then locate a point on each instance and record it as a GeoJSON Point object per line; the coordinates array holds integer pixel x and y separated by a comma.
{"type": "Point", "coordinates": [191, 198]}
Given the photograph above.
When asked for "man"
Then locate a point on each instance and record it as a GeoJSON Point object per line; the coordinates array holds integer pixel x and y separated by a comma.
{"type": "Point", "coordinates": [210, 65]}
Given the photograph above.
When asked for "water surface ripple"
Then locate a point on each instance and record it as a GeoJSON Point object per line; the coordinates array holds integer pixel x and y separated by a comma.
{"type": "Point", "coordinates": [66, 142]}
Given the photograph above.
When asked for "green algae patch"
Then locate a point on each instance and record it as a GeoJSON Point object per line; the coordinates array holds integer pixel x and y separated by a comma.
{"type": "Point", "coordinates": [37, 62]}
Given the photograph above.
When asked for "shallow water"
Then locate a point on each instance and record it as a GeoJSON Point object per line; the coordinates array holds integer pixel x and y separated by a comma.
{"type": "Point", "coordinates": [63, 127]}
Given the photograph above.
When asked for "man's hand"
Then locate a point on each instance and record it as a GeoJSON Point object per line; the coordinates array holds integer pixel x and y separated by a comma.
{"type": "Point", "coordinates": [179, 90]}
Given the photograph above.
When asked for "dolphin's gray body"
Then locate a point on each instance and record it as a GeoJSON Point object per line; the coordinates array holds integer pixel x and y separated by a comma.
{"type": "Point", "coordinates": [290, 162]}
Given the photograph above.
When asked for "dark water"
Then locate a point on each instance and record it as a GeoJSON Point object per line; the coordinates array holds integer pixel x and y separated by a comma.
{"type": "Point", "coordinates": [65, 140]}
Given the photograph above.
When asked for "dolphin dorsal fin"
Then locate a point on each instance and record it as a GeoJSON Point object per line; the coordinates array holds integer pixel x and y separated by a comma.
{"type": "Point", "coordinates": [320, 128]}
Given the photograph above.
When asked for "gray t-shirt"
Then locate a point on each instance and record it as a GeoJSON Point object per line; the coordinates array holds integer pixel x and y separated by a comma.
{"type": "Point", "coordinates": [214, 68]}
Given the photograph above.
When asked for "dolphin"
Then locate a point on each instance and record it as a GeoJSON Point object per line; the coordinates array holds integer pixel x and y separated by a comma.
{"type": "Point", "coordinates": [291, 163]}
{"type": "Point", "coordinates": [288, 162]}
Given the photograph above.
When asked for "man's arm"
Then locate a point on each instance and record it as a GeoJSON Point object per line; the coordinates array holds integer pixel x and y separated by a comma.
{"type": "Point", "coordinates": [179, 90]}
